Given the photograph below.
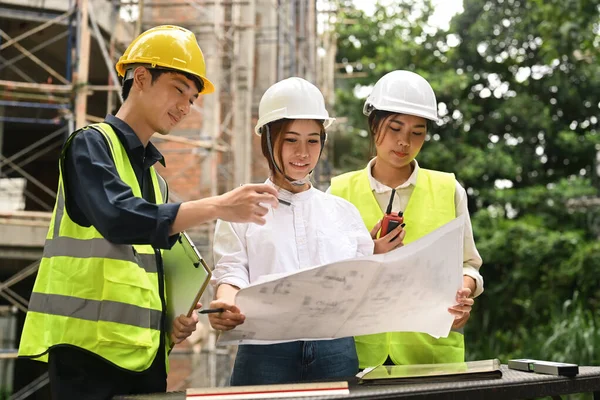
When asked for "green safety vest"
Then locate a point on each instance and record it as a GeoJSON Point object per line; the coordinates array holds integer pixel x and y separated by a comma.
{"type": "Point", "coordinates": [430, 206]}
{"type": "Point", "coordinates": [93, 294]}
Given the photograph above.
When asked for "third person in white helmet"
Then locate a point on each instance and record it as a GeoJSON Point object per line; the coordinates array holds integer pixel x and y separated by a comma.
{"type": "Point", "coordinates": [309, 228]}
{"type": "Point", "coordinates": [400, 111]}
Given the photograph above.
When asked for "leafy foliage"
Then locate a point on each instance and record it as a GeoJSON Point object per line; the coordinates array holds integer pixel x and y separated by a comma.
{"type": "Point", "coordinates": [518, 87]}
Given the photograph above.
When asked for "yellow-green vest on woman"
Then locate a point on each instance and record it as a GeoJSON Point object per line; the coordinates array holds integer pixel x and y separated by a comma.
{"type": "Point", "coordinates": [430, 206]}
{"type": "Point", "coordinates": [93, 294]}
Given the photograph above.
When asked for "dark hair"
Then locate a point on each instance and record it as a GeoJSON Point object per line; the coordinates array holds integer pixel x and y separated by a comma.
{"type": "Point", "coordinates": [156, 73]}
{"type": "Point", "coordinates": [376, 121]}
{"type": "Point", "coordinates": [276, 128]}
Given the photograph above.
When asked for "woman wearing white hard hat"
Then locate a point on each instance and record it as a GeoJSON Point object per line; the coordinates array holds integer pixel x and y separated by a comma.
{"type": "Point", "coordinates": [400, 110]}
{"type": "Point", "coordinates": [309, 228]}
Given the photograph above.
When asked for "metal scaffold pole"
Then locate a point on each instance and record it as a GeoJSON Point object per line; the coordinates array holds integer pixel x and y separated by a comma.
{"type": "Point", "coordinates": [83, 63]}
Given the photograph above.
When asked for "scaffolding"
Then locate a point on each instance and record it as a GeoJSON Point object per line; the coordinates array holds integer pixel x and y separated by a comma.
{"type": "Point", "coordinates": [57, 74]}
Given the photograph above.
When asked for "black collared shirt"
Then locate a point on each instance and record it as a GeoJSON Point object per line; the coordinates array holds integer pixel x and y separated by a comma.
{"type": "Point", "coordinates": [96, 195]}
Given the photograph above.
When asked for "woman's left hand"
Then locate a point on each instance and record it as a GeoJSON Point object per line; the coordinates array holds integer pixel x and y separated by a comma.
{"type": "Point", "coordinates": [462, 309]}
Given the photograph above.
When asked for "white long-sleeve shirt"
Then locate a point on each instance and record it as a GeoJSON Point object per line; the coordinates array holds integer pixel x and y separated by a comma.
{"type": "Point", "coordinates": [317, 228]}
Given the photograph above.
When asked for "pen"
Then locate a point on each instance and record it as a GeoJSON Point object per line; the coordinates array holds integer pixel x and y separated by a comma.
{"type": "Point", "coordinates": [211, 311]}
{"type": "Point", "coordinates": [285, 203]}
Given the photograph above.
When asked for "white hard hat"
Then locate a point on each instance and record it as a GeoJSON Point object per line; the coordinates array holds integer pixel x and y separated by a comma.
{"type": "Point", "coordinates": [403, 92]}
{"type": "Point", "coordinates": [292, 98]}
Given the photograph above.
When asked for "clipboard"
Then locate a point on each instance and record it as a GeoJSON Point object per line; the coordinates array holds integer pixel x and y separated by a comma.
{"type": "Point", "coordinates": [431, 373]}
{"type": "Point", "coordinates": [186, 278]}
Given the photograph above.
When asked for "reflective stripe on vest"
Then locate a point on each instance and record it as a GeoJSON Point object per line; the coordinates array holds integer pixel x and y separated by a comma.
{"type": "Point", "coordinates": [94, 310]}
{"type": "Point", "coordinates": [94, 294]}
{"type": "Point", "coordinates": [430, 206]}
{"type": "Point", "coordinates": [61, 246]}
{"type": "Point", "coordinates": [97, 248]}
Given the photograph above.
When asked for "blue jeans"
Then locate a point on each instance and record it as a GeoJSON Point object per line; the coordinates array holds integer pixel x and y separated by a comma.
{"type": "Point", "coordinates": [294, 362]}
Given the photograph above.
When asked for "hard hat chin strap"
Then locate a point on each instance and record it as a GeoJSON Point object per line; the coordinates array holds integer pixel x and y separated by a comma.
{"type": "Point", "coordinates": [295, 182]}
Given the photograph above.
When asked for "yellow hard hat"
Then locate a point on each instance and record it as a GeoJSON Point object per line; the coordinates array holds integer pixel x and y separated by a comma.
{"type": "Point", "coordinates": [170, 47]}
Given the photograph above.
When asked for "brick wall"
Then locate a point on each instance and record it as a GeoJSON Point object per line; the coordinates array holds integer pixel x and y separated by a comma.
{"type": "Point", "coordinates": [190, 184]}
{"type": "Point", "coordinates": [178, 12]}
{"type": "Point", "coordinates": [184, 161]}
{"type": "Point", "coordinates": [183, 172]}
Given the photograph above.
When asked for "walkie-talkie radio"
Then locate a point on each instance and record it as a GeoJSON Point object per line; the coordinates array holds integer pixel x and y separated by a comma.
{"type": "Point", "coordinates": [391, 220]}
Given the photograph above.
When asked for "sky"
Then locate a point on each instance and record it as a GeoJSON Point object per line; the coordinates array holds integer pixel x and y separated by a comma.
{"type": "Point", "coordinates": [444, 10]}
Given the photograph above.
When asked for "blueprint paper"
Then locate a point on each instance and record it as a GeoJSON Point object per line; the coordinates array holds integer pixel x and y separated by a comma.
{"type": "Point", "coordinates": [406, 290]}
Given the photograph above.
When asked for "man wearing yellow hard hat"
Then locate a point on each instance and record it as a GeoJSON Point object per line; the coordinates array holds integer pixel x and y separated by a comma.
{"type": "Point", "coordinates": [97, 311]}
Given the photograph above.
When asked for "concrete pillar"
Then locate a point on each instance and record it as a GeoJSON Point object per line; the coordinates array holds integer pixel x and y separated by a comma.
{"type": "Point", "coordinates": [242, 68]}
{"type": "Point", "coordinates": [1, 133]}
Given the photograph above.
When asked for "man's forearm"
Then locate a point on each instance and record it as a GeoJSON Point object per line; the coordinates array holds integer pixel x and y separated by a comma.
{"type": "Point", "coordinates": [193, 213]}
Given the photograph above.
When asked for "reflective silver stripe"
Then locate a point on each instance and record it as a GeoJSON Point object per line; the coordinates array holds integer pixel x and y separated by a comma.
{"type": "Point", "coordinates": [97, 248]}
{"type": "Point", "coordinates": [60, 209]}
{"type": "Point", "coordinates": [162, 185]}
{"type": "Point", "coordinates": [147, 261]}
{"type": "Point", "coordinates": [95, 310]}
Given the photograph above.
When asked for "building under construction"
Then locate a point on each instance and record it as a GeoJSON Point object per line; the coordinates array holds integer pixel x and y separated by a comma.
{"type": "Point", "coordinates": [57, 74]}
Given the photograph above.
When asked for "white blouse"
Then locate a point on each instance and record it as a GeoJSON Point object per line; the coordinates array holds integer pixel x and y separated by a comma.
{"type": "Point", "coordinates": [315, 229]}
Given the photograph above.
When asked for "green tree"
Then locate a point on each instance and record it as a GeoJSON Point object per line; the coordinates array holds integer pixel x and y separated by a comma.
{"type": "Point", "coordinates": [518, 86]}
